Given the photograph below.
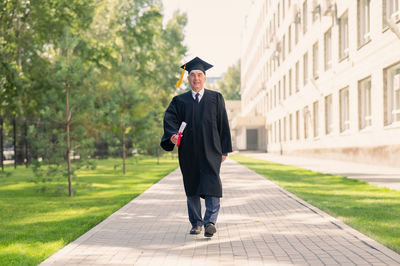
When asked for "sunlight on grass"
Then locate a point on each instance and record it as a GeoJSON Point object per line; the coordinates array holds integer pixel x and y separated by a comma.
{"type": "Point", "coordinates": [33, 226]}
{"type": "Point", "coordinates": [372, 210]}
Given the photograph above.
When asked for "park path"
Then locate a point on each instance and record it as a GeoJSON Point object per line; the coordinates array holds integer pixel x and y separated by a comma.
{"type": "Point", "coordinates": [259, 224]}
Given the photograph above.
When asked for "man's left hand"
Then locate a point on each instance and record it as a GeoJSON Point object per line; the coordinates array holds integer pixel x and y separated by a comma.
{"type": "Point", "coordinates": [223, 158]}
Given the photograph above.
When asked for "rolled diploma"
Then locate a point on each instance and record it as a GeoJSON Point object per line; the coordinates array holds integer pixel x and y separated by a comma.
{"type": "Point", "coordinates": [181, 129]}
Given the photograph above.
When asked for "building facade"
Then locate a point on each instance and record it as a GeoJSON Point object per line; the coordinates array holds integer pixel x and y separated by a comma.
{"type": "Point", "coordinates": [324, 76]}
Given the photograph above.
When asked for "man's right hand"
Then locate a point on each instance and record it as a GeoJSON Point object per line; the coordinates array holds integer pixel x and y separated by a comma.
{"type": "Point", "coordinates": [174, 138]}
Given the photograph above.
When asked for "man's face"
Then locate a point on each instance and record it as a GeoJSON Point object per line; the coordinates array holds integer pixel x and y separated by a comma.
{"type": "Point", "coordinates": [196, 79]}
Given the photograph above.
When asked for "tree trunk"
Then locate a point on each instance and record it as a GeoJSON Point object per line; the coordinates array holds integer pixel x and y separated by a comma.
{"type": "Point", "coordinates": [26, 144]}
{"type": "Point", "coordinates": [123, 151]}
{"type": "Point", "coordinates": [15, 141]}
{"type": "Point", "coordinates": [67, 121]}
{"type": "Point", "coordinates": [1, 144]}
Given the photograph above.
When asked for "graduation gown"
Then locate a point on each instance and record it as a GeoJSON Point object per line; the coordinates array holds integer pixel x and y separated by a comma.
{"type": "Point", "coordinates": [205, 138]}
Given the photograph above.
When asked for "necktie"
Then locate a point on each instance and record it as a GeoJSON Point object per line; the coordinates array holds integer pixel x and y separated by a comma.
{"type": "Point", "coordinates": [197, 97]}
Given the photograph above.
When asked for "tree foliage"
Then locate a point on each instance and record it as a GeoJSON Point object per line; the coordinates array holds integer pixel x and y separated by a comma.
{"type": "Point", "coordinates": [230, 83]}
{"type": "Point", "coordinates": [86, 78]}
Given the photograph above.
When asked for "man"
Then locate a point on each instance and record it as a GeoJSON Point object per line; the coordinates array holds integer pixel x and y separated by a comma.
{"type": "Point", "coordinates": [204, 145]}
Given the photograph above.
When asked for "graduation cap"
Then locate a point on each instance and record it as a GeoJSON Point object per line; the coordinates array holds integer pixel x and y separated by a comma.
{"type": "Point", "coordinates": [194, 64]}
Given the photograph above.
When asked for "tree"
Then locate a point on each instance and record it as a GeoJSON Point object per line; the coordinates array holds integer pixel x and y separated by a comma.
{"type": "Point", "coordinates": [230, 83]}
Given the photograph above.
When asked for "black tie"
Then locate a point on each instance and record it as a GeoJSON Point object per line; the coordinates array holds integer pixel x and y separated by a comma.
{"type": "Point", "coordinates": [197, 97]}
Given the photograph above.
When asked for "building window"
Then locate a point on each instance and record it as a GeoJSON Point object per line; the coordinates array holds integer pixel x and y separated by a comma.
{"type": "Point", "coordinates": [268, 108]}
{"type": "Point", "coordinates": [296, 32]}
{"type": "Point", "coordinates": [283, 9]}
{"type": "Point", "coordinates": [315, 60]}
{"type": "Point", "coordinates": [306, 117]}
{"type": "Point", "coordinates": [279, 15]}
{"type": "Point", "coordinates": [315, 119]}
{"type": "Point", "coordinates": [297, 124]}
{"type": "Point", "coordinates": [279, 92]}
{"type": "Point", "coordinates": [315, 11]}
{"type": "Point", "coordinates": [284, 87]}
{"type": "Point", "coordinates": [290, 126]}
{"type": "Point", "coordinates": [284, 129]}
{"type": "Point", "coordinates": [305, 15]}
{"type": "Point", "coordinates": [290, 82]}
{"type": "Point", "coordinates": [275, 95]}
{"type": "Point", "coordinates": [363, 21]}
{"type": "Point", "coordinates": [328, 49]}
{"type": "Point", "coordinates": [305, 69]}
{"type": "Point", "coordinates": [344, 36]}
{"type": "Point", "coordinates": [289, 39]}
{"type": "Point", "coordinates": [283, 47]}
{"type": "Point", "coordinates": [328, 115]}
{"type": "Point", "coordinates": [364, 103]}
{"type": "Point", "coordinates": [392, 95]}
{"type": "Point", "coordinates": [297, 76]}
{"type": "Point", "coordinates": [344, 106]}
{"type": "Point", "coordinates": [391, 10]}
{"type": "Point", "coordinates": [280, 130]}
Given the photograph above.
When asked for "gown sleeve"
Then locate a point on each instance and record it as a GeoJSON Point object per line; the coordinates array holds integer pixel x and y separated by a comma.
{"type": "Point", "coordinates": [171, 125]}
{"type": "Point", "coordinates": [223, 126]}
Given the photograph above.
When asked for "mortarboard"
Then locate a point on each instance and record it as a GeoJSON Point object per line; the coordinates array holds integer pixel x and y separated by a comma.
{"type": "Point", "coordinates": [194, 64]}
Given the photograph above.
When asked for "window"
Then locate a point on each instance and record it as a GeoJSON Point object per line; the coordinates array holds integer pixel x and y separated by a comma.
{"type": "Point", "coordinates": [305, 69]}
{"type": "Point", "coordinates": [283, 9]}
{"type": "Point", "coordinates": [289, 39]}
{"type": "Point", "coordinates": [364, 103]}
{"type": "Point", "coordinates": [315, 119]}
{"type": "Point", "coordinates": [328, 115]}
{"type": "Point", "coordinates": [315, 12]}
{"type": "Point", "coordinates": [275, 95]}
{"type": "Point", "coordinates": [305, 14]}
{"type": "Point", "coordinates": [280, 130]}
{"type": "Point", "coordinates": [268, 107]}
{"type": "Point", "coordinates": [315, 60]}
{"type": "Point", "coordinates": [391, 10]}
{"type": "Point", "coordinates": [283, 47]}
{"type": "Point", "coordinates": [363, 21]}
{"type": "Point", "coordinates": [297, 76]}
{"type": "Point", "coordinates": [344, 106]}
{"type": "Point", "coordinates": [290, 82]}
{"type": "Point", "coordinates": [344, 36]}
{"type": "Point", "coordinates": [392, 94]}
{"type": "Point", "coordinates": [284, 87]}
{"type": "Point", "coordinates": [306, 116]}
{"type": "Point", "coordinates": [279, 15]}
{"type": "Point", "coordinates": [296, 32]}
{"type": "Point", "coordinates": [328, 49]}
{"type": "Point", "coordinates": [290, 127]}
{"type": "Point", "coordinates": [279, 92]}
{"type": "Point", "coordinates": [284, 129]}
{"type": "Point", "coordinates": [297, 125]}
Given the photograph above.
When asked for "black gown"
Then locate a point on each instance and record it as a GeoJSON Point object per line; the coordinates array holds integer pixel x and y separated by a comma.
{"type": "Point", "coordinates": [205, 138]}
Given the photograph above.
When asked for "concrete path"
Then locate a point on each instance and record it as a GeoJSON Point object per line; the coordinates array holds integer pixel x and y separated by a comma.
{"type": "Point", "coordinates": [259, 224]}
{"type": "Point", "coordinates": [374, 174]}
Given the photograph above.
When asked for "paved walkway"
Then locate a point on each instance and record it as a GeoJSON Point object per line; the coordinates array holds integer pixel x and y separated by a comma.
{"type": "Point", "coordinates": [259, 224]}
{"type": "Point", "coordinates": [377, 175]}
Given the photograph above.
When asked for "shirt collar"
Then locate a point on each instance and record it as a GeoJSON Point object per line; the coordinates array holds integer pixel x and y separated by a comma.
{"type": "Point", "coordinates": [201, 92]}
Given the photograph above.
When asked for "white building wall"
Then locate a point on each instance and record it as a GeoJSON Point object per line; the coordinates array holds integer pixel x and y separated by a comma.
{"type": "Point", "coordinates": [370, 60]}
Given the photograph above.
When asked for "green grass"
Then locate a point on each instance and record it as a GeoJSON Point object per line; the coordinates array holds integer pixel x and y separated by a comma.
{"type": "Point", "coordinates": [372, 210]}
{"type": "Point", "coordinates": [33, 226]}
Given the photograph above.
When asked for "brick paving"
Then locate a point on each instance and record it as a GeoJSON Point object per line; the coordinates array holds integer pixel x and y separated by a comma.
{"type": "Point", "coordinates": [259, 224]}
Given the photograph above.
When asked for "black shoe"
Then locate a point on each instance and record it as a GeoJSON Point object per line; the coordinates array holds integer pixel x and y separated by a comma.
{"type": "Point", "coordinates": [195, 230]}
{"type": "Point", "coordinates": [210, 230]}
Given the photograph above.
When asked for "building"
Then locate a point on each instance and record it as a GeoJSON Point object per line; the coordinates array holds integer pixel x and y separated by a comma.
{"type": "Point", "coordinates": [324, 78]}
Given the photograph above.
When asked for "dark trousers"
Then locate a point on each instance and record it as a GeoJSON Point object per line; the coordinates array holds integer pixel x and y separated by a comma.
{"type": "Point", "coordinates": [194, 210]}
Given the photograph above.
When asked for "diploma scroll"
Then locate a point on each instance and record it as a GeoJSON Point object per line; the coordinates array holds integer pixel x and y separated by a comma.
{"type": "Point", "coordinates": [181, 129]}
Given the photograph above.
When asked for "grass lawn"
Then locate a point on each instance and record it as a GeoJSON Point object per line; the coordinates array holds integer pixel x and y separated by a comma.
{"type": "Point", "coordinates": [33, 226]}
{"type": "Point", "coordinates": [372, 210]}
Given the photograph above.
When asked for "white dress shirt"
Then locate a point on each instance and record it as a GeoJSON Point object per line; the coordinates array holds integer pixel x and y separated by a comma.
{"type": "Point", "coordinates": [201, 93]}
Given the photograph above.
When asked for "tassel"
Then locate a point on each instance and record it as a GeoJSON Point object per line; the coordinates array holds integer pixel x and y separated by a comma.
{"type": "Point", "coordinates": [181, 78]}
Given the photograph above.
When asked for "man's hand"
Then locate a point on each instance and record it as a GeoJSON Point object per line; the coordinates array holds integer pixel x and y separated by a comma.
{"type": "Point", "coordinates": [223, 158]}
{"type": "Point", "coordinates": [174, 138]}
